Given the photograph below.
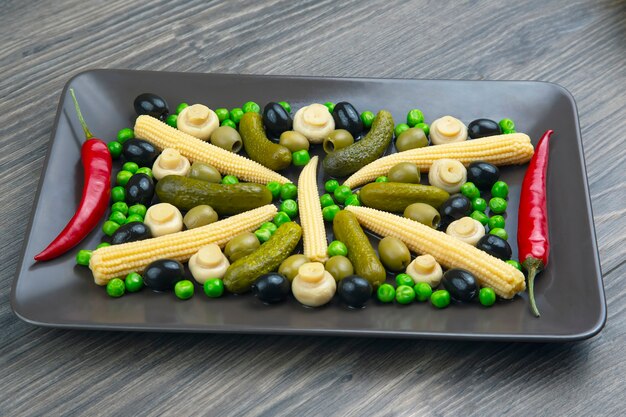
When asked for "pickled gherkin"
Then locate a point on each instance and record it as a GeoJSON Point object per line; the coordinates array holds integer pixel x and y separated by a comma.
{"type": "Point", "coordinates": [397, 196]}
{"type": "Point", "coordinates": [258, 147]}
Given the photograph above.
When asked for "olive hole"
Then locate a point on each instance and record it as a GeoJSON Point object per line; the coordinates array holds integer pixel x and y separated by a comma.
{"type": "Point", "coordinates": [436, 221]}
{"type": "Point", "coordinates": [237, 146]}
{"type": "Point", "coordinates": [329, 146]}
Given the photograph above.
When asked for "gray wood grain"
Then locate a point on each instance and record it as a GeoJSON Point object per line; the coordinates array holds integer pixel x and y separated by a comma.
{"type": "Point", "coordinates": [580, 45]}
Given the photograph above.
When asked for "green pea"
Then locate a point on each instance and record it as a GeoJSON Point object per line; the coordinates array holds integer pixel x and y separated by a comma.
{"type": "Point", "coordinates": [117, 217]}
{"type": "Point", "coordinates": [479, 204]}
{"type": "Point", "coordinates": [330, 106]}
{"type": "Point", "coordinates": [507, 125]}
{"type": "Point", "coordinates": [414, 117]}
{"type": "Point", "coordinates": [300, 158]}
{"type": "Point", "coordinates": [184, 289]}
{"type": "Point", "coordinates": [116, 288]}
{"type": "Point", "coordinates": [144, 170]}
{"type": "Point", "coordinates": [263, 235]}
{"type": "Point", "coordinates": [487, 296]}
{"type": "Point", "coordinates": [110, 227]}
{"type": "Point", "coordinates": [288, 191]}
{"type": "Point", "coordinates": [382, 179]}
{"type": "Point", "coordinates": [120, 206]}
{"type": "Point", "coordinates": [115, 149]}
{"type": "Point", "coordinates": [326, 200]}
{"type": "Point", "coordinates": [499, 232]}
{"type": "Point", "coordinates": [228, 122]}
{"type": "Point", "coordinates": [405, 294]}
{"type": "Point", "coordinates": [269, 226]}
{"type": "Point", "coordinates": [222, 114]}
{"type": "Point", "coordinates": [133, 282]}
{"type": "Point", "coordinates": [404, 279]}
{"type": "Point", "coordinates": [367, 117]}
{"type": "Point", "coordinates": [337, 248]}
{"type": "Point", "coordinates": [181, 107]}
{"type": "Point", "coordinates": [123, 177]}
{"type": "Point", "coordinates": [251, 107]}
{"type": "Point", "coordinates": [130, 167]}
{"type": "Point", "coordinates": [230, 179]}
{"type": "Point", "coordinates": [425, 128]}
{"type": "Point", "coordinates": [134, 218]}
{"type": "Point", "coordinates": [172, 120]}
{"type": "Point", "coordinates": [496, 222]}
{"type": "Point", "coordinates": [213, 288]}
{"type": "Point", "coordinates": [341, 193]}
{"type": "Point", "coordinates": [515, 264]}
{"type": "Point", "coordinates": [470, 190]}
{"type": "Point", "coordinates": [400, 128]}
{"type": "Point", "coordinates": [353, 200]}
{"type": "Point", "coordinates": [500, 189]}
{"type": "Point", "coordinates": [440, 299]}
{"type": "Point", "coordinates": [236, 114]}
{"type": "Point", "coordinates": [285, 106]}
{"type": "Point", "coordinates": [480, 216]}
{"type": "Point", "coordinates": [290, 207]}
{"type": "Point", "coordinates": [328, 213]}
{"type": "Point", "coordinates": [82, 257]}
{"type": "Point", "coordinates": [386, 293]}
{"type": "Point", "coordinates": [497, 205]}
{"type": "Point", "coordinates": [118, 194]}
{"type": "Point", "coordinates": [138, 209]}
{"type": "Point", "coordinates": [103, 245]}
{"type": "Point", "coordinates": [274, 188]}
{"type": "Point", "coordinates": [125, 134]}
{"type": "Point", "coordinates": [423, 291]}
{"type": "Point", "coordinates": [280, 218]}
{"type": "Point", "coordinates": [331, 185]}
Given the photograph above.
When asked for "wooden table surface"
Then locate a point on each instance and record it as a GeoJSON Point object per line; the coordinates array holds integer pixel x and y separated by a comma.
{"type": "Point", "coordinates": [578, 44]}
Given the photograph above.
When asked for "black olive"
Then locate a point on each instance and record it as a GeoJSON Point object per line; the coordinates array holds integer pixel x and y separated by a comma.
{"type": "Point", "coordinates": [483, 174]}
{"type": "Point", "coordinates": [140, 152]}
{"type": "Point", "coordinates": [131, 232]}
{"type": "Point", "coordinates": [276, 119]}
{"type": "Point", "coordinates": [346, 117]}
{"type": "Point", "coordinates": [454, 208]}
{"type": "Point", "coordinates": [480, 128]}
{"type": "Point", "coordinates": [139, 190]}
{"type": "Point", "coordinates": [495, 246]}
{"type": "Point", "coordinates": [162, 275]}
{"type": "Point", "coordinates": [354, 290]}
{"type": "Point", "coordinates": [152, 105]}
{"type": "Point", "coordinates": [271, 288]}
{"type": "Point", "coordinates": [460, 284]}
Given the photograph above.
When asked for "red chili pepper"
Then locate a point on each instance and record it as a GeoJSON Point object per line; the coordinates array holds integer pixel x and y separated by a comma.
{"type": "Point", "coordinates": [532, 225]}
{"type": "Point", "coordinates": [96, 160]}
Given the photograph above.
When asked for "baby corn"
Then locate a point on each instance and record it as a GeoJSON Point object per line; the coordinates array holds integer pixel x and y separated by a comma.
{"type": "Point", "coordinates": [315, 245]}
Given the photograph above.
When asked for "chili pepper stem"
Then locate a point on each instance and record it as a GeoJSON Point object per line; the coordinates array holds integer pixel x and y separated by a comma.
{"type": "Point", "coordinates": [88, 134]}
{"type": "Point", "coordinates": [533, 266]}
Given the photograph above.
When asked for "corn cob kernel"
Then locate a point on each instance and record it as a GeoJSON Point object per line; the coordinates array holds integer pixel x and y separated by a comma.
{"type": "Point", "coordinates": [490, 271]}
{"type": "Point", "coordinates": [315, 245]}
{"type": "Point", "coordinates": [119, 260]}
{"type": "Point", "coordinates": [163, 136]}
{"type": "Point", "coordinates": [510, 149]}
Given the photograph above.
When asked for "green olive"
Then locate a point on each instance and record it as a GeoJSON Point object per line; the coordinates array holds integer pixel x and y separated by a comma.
{"type": "Point", "coordinates": [424, 214]}
{"type": "Point", "coordinates": [294, 141]}
{"type": "Point", "coordinates": [394, 254]}
{"type": "Point", "coordinates": [289, 267]}
{"type": "Point", "coordinates": [241, 245]}
{"type": "Point", "coordinates": [339, 267]}
{"type": "Point", "coordinates": [199, 216]}
{"type": "Point", "coordinates": [404, 172]}
{"type": "Point", "coordinates": [337, 139]}
{"type": "Point", "coordinates": [411, 139]}
{"type": "Point", "coordinates": [204, 172]}
{"type": "Point", "coordinates": [227, 138]}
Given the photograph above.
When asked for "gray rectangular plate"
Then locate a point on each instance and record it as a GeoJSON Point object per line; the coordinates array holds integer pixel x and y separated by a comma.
{"type": "Point", "coordinates": [570, 292]}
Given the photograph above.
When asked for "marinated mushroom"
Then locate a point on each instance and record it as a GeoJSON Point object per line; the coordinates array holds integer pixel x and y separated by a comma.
{"type": "Point", "coordinates": [170, 162]}
{"type": "Point", "coordinates": [314, 121]}
{"type": "Point", "coordinates": [447, 129]}
{"type": "Point", "coordinates": [199, 216]}
{"type": "Point", "coordinates": [198, 120]}
{"type": "Point", "coordinates": [423, 213]}
{"type": "Point", "coordinates": [209, 262]}
{"type": "Point", "coordinates": [425, 268]}
{"type": "Point", "coordinates": [447, 174]}
{"type": "Point", "coordinates": [313, 286]}
{"type": "Point", "coordinates": [163, 219]}
{"type": "Point", "coordinates": [227, 138]}
{"type": "Point", "coordinates": [466, 229]}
